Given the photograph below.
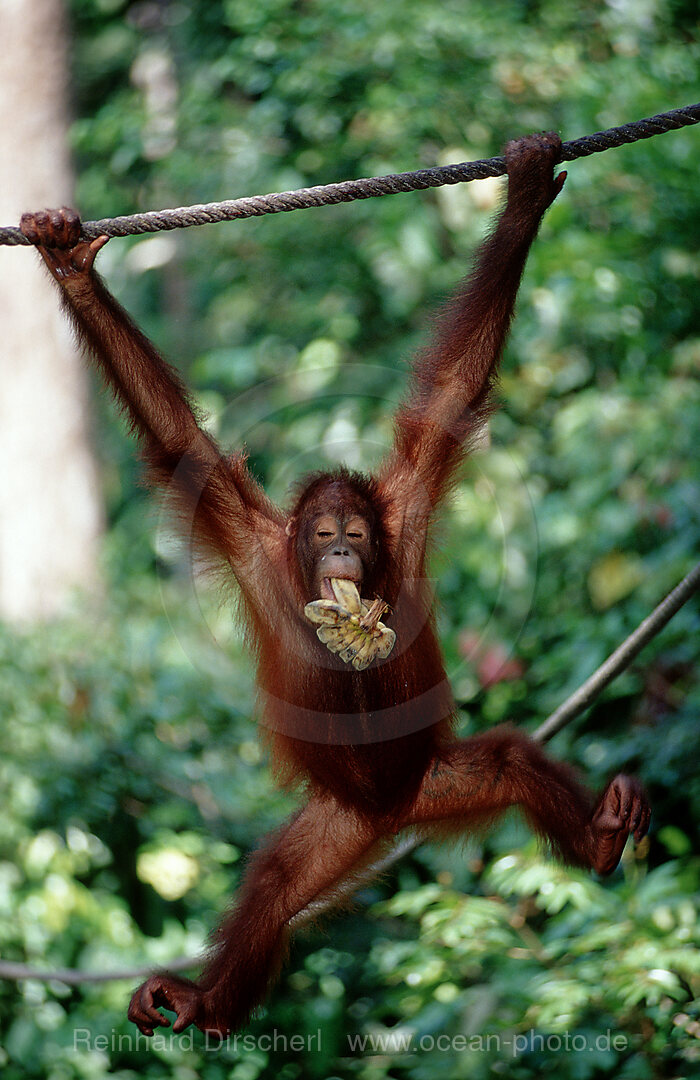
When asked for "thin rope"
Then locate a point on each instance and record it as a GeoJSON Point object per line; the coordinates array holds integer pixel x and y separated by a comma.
{"type": "Point", "coordinates": [368, 188]}
{"type": "Point", "coordinates": [575, 704]}
{"type": "Point", "coordinates": [621, 658]}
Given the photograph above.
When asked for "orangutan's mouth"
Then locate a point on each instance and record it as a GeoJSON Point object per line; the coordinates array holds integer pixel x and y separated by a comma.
{"type": "Point", "coordinates": [327, 589]}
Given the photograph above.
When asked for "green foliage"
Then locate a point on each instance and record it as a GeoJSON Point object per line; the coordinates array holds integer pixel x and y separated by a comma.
{"type": "Point", "coordinates": [133, 782]}
{"type": "Point", "coordinates": [568, 972]}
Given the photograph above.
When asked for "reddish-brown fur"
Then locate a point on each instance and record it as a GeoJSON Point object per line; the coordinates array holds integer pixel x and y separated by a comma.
{"type": "Point", "coordinates": [374, 748]}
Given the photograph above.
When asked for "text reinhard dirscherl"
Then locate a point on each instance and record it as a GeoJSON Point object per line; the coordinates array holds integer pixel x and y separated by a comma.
{"type": "Point", "coordinates": [279, 1041]}
{"type": "Point", "coordinates": [399, 1041]}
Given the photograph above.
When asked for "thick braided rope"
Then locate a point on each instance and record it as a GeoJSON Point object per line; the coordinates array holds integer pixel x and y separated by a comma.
{"type": "Point", "coordinates": [369, 188]}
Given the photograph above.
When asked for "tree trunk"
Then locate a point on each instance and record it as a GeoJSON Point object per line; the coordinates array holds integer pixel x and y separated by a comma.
{"type": "Point", "coordinates": [50, 509]}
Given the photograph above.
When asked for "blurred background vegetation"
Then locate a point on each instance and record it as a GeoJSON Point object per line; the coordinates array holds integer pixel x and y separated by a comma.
{"type": "Point", "coordinates": [132, 781]}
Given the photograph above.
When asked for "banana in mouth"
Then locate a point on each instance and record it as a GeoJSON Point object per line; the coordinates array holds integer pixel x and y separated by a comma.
{"type": "Point", "coordinates": [349, 626]}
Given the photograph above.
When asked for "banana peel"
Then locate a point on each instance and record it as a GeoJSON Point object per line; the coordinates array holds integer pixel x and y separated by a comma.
{"type": "Point", "coordinates": [349, 626]}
